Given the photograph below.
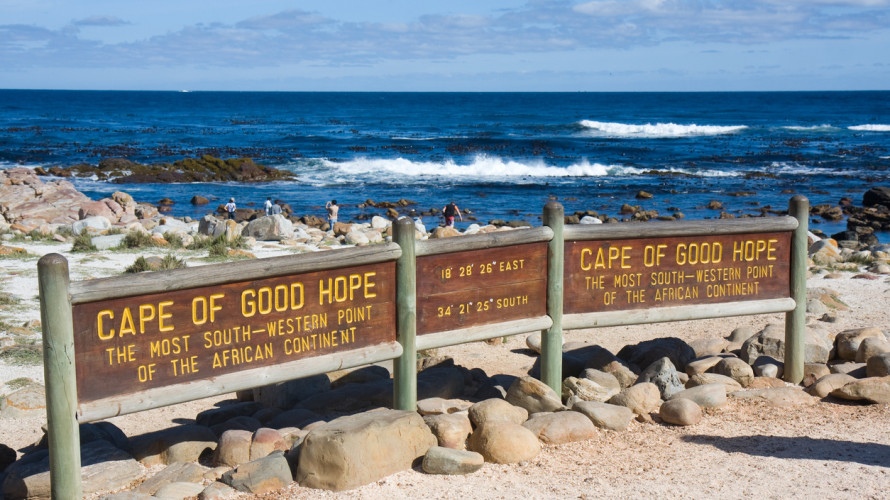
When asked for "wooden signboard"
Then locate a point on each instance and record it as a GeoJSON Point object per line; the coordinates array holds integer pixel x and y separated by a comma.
{"type": "Point", "coordinates": [462, 289]}
{"type": "Point", "coordinates": [142, 342]}
{"type": "Point", "coordinates": [643, 273]}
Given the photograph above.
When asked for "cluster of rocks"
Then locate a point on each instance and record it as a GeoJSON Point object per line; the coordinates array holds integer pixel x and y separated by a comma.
{"type": "Point", "coordinates": [862, 222]}
{"type": "Point", "coordinates": [56, 208]}
{"type": "Point", "coordinates": [335, 431]}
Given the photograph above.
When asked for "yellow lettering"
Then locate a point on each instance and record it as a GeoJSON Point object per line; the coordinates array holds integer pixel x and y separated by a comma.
{"type": "Point", "coordinates": [100, 324]}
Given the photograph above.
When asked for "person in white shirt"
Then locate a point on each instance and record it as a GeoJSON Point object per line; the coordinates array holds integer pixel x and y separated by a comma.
{"type": "Point", "coordinates": [332, 209]}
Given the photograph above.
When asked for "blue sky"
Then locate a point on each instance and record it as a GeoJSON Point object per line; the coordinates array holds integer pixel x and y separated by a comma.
{"type": "Point", "coordinates": [459, 45]}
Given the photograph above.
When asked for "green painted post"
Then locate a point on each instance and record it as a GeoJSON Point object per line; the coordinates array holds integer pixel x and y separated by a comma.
{"type": "Point", "coordinates": [58, 367]}
{"type": "Point", "coordinates": [795, 320]}
{"type": "Point", "coordinates": [551, 339]}
{"type": "Point", "coordinates": [405, 367]}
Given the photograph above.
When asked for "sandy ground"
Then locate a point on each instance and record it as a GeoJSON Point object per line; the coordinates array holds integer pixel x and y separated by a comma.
{"type": "Point", "coordinates": [833, 449]}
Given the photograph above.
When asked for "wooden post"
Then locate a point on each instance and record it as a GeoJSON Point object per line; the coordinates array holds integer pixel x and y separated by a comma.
{"type": "Point", "coordinates": [405, 366]}
{"type": "Point", "coordinates": [551, 339]}
{"type": "Point", "coordinates": [795, 320]}
{"type": "Point", "coordinates": [61, 388]}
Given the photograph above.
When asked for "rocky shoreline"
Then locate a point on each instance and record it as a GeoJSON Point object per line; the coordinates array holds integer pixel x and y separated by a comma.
{"type": "Point", "coordinates": [474, 414]}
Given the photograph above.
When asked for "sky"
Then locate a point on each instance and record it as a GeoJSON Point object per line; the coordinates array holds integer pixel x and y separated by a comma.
{"type": "Point", "coordinates": [458, 45]}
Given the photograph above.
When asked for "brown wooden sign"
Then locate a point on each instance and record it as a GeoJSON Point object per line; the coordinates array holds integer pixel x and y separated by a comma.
{"type": "Point", "coordinates": [615, 275]}
{"type": "Point", "coordinates": [477, 287]}
{"type": "Point", "coordinates": [142, 342]}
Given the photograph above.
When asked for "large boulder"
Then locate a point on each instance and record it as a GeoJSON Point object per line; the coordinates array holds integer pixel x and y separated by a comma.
{"type": "Point", "coordinates": [680, 411]}
{"type": "Point", "coordinates": [359, 449]}
{"type": "Point", "coordinates": [605, 415]}
{"type": "Point", "coordinates": [439, 460]}
{"type": "Point", "coordinates": [211, 226]}
{"type": "Point", "coordinates": [260, 476]}
{"type": "Point", "coordinates": [781, 397]}
{"type": "Point", "coordinates": [878, 366]}
{"type": "Point", "coordinates": [878, 195]}
{"type": "Point", "coordinates": [771, 342]}
{"type": "Point", "coordinates": [561, 427]}
{"type": "Point", "coordinates": [451, 430]}
{"type": "Point", "coordinates": [504, 443]}
{"type": "Point", "coordinates": [91, 225]}
{"type": "Point", "coordinates": [496, 410]}
{"type": "Point", "coordinates": [103, 467]}
{"type": "Point", "coordinates": [829, 383]}
{"type": "Point", "coordinates": [587, 389]}
{"type": "Point", "coordinates": [735, 369]}
{"type": "Point", "coordinates": [647, 352]}
{"type": "Point", "coordinates": [24, 196]}
{"type": "Point", "coordinates": [847, 342]}
{"type": "Point", "coordinates": [871, 347]}
{"type": "Point", "coordinates": [664, 375]}
{"type": "Point", "coordinates": [874, 390]}
{"type": "Point", "coordinates": [705, 396]}
{"type": "Point", "coordinates": [183, 443]}
{"type": "Point", "coordinates": [270, 228]}
{"type": "Point", "coordinates": [640, 398]}
{"type": "Point", "coordinates": [533, 395]}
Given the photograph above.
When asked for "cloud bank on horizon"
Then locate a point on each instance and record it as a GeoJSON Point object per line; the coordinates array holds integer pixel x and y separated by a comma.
{"type": "Point", "coordinates": [559, 45]}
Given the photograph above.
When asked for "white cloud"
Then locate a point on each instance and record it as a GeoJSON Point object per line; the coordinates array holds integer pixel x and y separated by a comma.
{"type": "Point", "coordinates": [100, 21]}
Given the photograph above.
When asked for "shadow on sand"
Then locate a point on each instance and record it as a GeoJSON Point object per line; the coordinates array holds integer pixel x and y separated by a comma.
{"type": "Point", "coordinates": [799, 448]}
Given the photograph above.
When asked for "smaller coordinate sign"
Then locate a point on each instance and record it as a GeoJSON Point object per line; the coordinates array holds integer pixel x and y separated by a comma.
{"type": "Point", "coordinates": [477, 287]}
{"type": "Point", "coordinates": [615, 275]}
{"type": "Point", "coordinates": [137, 343]}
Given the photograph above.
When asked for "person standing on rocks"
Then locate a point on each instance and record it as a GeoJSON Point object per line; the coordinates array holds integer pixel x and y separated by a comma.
{"type": "Point", "coordinates": [268, 205]}
{"type": "Point", "coordinates": [450, 211]}
{"type": "Point", "coordinates": [230, 208]}
{"type": "Point", "coordinates": [332, 209]}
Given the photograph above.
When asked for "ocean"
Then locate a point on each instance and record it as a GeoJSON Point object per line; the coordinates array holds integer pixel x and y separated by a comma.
{"type": "Point", "coordinates": [497, 155]}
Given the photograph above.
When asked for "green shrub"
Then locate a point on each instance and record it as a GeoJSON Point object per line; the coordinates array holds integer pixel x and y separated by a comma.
{"type": "Point", "coordinates": [201, 243]}
{"type": "Point", "coordinates": [174, 239]}
{"type": "Point", "coordinates": [8, 300]}
{"type": "Point", "coordinates": [83, 242]}
{"type": "Point", "coordinates": [22, 355]}
{"type": "Point", "coordinates": [168, 262]}
{"type": "Point", "coordinates": [17, 383]}
{"type": "Point", "coordinates": [137, 239]}
{"type": "Point", "coordinates": [218, 248]}
{"type": "Point", "coordinates": [36, 235]}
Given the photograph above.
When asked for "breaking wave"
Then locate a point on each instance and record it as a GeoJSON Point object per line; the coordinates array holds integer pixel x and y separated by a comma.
{"type": "Point", "coordinates": [658, 130]}
{"type": "Point", "coordinates": [871, 128]}
{"type": "Point", "coordinates": [481, 168]}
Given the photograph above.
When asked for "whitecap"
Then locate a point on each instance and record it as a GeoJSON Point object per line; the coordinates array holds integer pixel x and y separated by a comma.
{"type": "Point", "coordinates": [871, 128]}
{"type": "Point", "coordinates": [813, 128]}
{"type": "Point", "coordinates": [658, 130]}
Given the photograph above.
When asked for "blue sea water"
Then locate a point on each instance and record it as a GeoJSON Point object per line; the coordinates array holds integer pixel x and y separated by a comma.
{"type": "Point", "coordinates": [499, 155]}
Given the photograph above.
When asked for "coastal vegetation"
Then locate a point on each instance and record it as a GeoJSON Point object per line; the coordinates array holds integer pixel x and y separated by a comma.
{"type": "Point", "coordinates": [83, 242]}
{"type": "Point", "coordinates": [164, 263]}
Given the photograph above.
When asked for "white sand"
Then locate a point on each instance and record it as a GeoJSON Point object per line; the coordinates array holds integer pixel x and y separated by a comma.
{"type": "Point", "coordinates": [746, 449]}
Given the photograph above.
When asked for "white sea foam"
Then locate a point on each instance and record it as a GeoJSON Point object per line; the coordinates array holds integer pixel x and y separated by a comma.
{"type": "Point", "coordinates": [871, 128]}
{"type": "Point", "coordinates": [481, 168]}
{"type": "Point", "coordinates": [823, 127]}
{"type": "Point", "coordinates": [658, 130]}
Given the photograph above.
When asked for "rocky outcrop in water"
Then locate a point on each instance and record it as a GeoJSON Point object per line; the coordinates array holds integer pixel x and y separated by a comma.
{"type": "Point", "coordinates": [204, 169]}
